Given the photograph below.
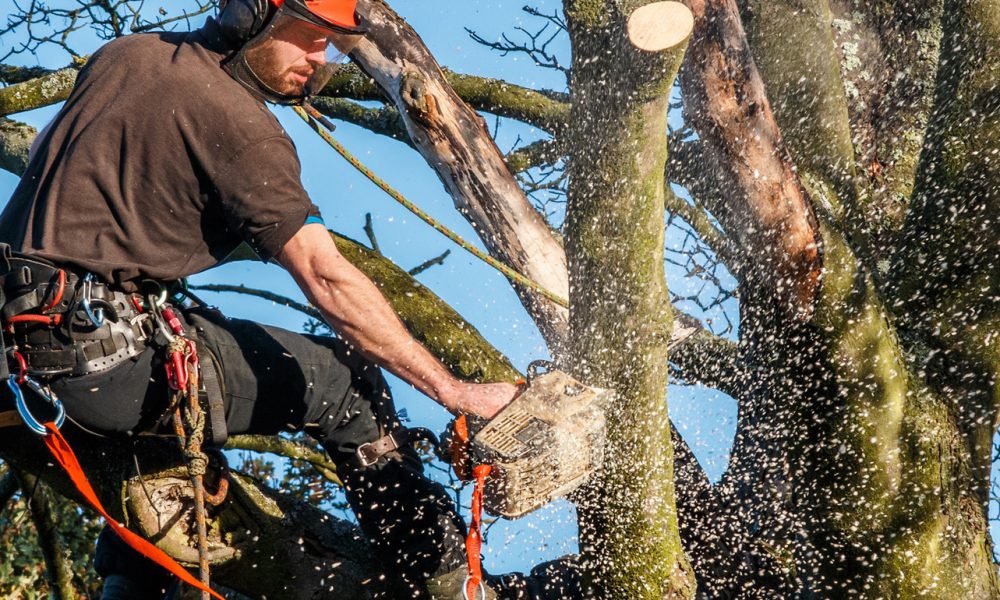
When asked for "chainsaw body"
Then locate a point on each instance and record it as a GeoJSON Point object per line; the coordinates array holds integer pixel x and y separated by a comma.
{"type": "Point", "coordinates": [543, 445]}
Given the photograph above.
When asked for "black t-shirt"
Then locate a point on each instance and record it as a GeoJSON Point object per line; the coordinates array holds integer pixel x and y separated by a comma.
{"type": "Point", "coordinates": [158, 166]}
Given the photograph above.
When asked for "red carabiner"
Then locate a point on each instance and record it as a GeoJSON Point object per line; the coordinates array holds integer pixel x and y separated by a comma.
{"type": "Point", "coordinates": [22, 366]}
{"type": "Point", "coordinates": [177, 373]}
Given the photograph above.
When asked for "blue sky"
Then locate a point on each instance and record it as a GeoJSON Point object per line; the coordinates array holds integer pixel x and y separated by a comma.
{"type": "Point", "coordinates": [706, 418]}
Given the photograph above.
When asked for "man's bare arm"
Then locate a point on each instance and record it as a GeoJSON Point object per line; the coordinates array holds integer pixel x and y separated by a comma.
{"type": "Point", "coordinates": [355, 308]}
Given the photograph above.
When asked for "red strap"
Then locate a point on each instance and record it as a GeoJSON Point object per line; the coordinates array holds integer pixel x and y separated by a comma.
{"type": "Point", "coordinates": [474, 542]}
{"type": "Point", "coordinates": [67, 459]}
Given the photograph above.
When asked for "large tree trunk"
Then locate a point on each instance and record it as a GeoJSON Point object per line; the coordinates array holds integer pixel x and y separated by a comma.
{"type": "Point", "coordinates": [620, 313]}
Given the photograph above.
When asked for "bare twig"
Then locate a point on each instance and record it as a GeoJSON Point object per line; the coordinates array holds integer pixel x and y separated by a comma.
{"type": "Point", "coordinates": [370, 232]}
{"type": "Point", "coordinates": [537, 43]}
{"type": "Point", "coordinates": [276, 298]}
{"type": "Point", "coordinates": [437, 260]}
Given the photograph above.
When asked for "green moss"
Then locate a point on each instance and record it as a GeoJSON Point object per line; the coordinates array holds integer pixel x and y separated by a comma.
{"type": "Point", "coordinates": [435, 324]}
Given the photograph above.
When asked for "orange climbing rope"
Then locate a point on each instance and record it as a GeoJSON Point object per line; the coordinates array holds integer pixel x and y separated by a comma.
{"type": "Point", "coordinates": [67, 459]}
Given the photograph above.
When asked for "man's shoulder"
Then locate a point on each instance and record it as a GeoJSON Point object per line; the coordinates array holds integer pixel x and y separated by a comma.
{"type": "Point", "coordinates": [138, 45]}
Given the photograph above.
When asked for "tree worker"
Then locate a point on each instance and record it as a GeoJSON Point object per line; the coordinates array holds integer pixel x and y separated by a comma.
{"type": "Point", "coordinates": [162, 162]}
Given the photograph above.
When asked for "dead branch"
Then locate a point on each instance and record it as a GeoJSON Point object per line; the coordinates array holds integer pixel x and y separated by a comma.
{"type": "Point", "coordinates": [454, 141]}
{"type": "Point", "coordinates": [766, 212]}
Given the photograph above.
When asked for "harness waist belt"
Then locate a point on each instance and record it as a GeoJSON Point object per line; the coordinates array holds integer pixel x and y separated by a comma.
{"type": "Point", "coordinates": [65, 324]}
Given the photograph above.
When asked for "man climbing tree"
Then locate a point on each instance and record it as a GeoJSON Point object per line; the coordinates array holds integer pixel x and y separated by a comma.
{"type": "Point", "coordinates": [117, 204]}
{"type": "Point", "coordinates": [838, 157]}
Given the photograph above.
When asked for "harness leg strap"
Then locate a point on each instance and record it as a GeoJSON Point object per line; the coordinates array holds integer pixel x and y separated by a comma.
{"type": "Point", "coordinates": [214, 399]}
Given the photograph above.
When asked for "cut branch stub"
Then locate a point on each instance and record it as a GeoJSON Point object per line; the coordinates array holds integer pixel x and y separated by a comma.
{"type": "Point", "coordinates": [660, 26]}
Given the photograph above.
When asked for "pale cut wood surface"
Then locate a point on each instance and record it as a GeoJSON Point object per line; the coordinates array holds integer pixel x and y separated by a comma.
{"type": "Point", "coordinates": [660, 26]}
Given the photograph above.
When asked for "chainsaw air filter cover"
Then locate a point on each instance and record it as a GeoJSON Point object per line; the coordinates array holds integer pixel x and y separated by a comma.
{"type": "Point", "coordinates": [543, 445]}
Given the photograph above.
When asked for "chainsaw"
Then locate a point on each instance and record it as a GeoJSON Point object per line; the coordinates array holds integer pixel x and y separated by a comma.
{"type": "Point", "coordinates": [543, 445]}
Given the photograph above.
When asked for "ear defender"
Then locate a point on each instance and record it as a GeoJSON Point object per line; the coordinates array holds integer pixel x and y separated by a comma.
{"type": "Point", "coordinates": [240, 20]}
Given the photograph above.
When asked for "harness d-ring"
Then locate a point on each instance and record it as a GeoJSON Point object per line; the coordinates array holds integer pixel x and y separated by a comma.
{"type": "Point", "coordinates": [22, 407]}
{"type": "Point", "coordinates": [96, 317]}
{"type": "Point", "coordinates": [465, 589]}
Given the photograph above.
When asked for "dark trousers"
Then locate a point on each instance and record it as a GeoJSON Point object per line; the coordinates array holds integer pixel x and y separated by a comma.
{"type": "Point", "coordinates": [276, 380]}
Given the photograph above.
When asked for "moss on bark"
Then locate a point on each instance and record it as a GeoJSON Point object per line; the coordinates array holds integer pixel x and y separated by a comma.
{"type": "Point", "coordinates": [36, 93]}
{"type": "Point", "coordinates": [621, 318]}
{"type": "Point", "coordinates": [886, 482]}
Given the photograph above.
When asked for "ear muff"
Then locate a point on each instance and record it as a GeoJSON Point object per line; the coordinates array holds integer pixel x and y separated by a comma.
{"type": "Point", "coordinates": [240, 20]}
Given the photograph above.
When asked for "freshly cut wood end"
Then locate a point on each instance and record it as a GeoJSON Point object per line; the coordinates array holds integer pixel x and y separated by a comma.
{"type": "Point", "coordinates": [660, 26]}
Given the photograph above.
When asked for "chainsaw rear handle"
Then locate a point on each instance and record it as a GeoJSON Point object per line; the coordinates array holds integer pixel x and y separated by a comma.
{"type": "Point", "coordinates": [548, 365]}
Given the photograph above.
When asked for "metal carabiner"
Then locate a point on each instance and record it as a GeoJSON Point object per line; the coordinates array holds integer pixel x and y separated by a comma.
{"type": "Point", "coordinates": [96, 317]}
{"type": "Point", "coordinates": [22, 406]}
{"type": "Point", "coordinates": [465, 589]}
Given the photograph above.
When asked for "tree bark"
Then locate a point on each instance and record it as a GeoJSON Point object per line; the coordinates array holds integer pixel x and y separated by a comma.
{"type": "Point", "coordinates": [764, 206]}
{"type": "Point", "coordinates": [621, 318]}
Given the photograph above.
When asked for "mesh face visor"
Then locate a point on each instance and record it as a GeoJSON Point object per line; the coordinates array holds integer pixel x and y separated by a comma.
{"type": "Point", "coordinates": [295, 56]}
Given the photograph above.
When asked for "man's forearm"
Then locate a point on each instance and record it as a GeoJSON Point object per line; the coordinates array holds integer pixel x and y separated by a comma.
{"type": "Point", "coordinates": [353, 305]}
{"type": "Point", "coordinates": [356, 309]}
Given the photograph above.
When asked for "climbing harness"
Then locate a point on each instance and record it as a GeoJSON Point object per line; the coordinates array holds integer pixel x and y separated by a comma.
{"type": "Point", "coordinates": [91, 330]}
{"type": "Point", "coordinates": [317, 122]}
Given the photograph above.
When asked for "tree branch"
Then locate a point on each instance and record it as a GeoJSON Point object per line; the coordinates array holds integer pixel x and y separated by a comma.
{"type": "Point", "coordinates": [534, 155]}
{"type": "Point", "coordinates": [35, 93]}
{"type": "Point", "coordinates": [383, 121]}
{"type": "Point", "coordinates": [278, 299]}
{"type": "Point", "coordinates": [710, 360]}
{"type": "Point", "coordinates": [766, 212]}
{"type": "Point", "coordinates": [453, 139]}
{"type": "Point", "coordinates": [544, 109]}
{"type": "Point", "coordinates": [273, 444]}
{"type": "Point", "coordinates": [703, 226]}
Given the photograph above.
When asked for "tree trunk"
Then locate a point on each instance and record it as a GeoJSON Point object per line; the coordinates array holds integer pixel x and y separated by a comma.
{"type": "Point", "coordinates": [621, 319]}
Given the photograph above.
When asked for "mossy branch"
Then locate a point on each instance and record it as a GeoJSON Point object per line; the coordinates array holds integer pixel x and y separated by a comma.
{"type": "Point", "coordinates": [289, 449]}
{"type": "Point", "coordinates": [35, 93]}
{"type": "Point", "coordinates": [543, 109]}
{"type": "Point", "coordinates": [383, 121]}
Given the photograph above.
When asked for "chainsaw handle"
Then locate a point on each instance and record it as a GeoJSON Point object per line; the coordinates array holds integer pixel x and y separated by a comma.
{"type": "Point", "coordinates": [548, 365]}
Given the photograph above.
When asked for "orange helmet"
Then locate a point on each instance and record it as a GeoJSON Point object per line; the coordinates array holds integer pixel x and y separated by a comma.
{"type": "Point", "coordinates": [338, 13]}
